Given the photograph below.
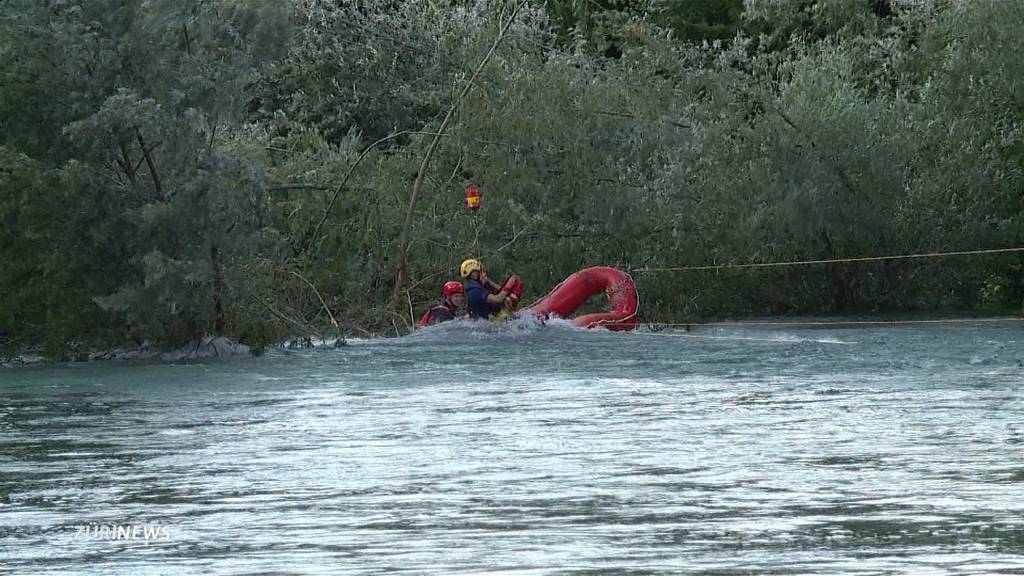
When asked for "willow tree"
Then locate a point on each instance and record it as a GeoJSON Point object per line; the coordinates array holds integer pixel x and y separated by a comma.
{"type": "Point", "coordinates": [141, 96]}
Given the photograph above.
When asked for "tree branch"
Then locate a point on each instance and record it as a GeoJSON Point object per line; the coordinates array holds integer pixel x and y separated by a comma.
{"type": "Point", "coordinates": [337, 191]}
{"type": "Point", "coordinates": [188, 41]}
{"type": "Point", "coordinates": [515, 236]}
{"type": "Point", "coordinates": [126, 163]}
{"type": "Point", "coordinates": [298, 187]}
{"type": "Point", "coordinates": [844, 178]}
{"type": "Point", "coordinates": [321, 298]}
{"type": "Point", "coordinates": [151, 163]}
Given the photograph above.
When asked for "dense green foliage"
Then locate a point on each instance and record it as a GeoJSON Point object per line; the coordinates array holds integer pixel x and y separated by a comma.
{"type": "Point", "coordinates": [175, 168]}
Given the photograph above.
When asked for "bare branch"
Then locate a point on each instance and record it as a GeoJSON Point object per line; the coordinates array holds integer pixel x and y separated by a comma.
{"type": "Point", "coordinates": [321, 298]}
{"type": "Point", "coordinates": [515, 236]}
{"type": "Point", "coordinates": [151, 163]}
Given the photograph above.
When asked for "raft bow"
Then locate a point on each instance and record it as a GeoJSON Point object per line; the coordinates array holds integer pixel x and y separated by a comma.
{"type": "Point", "coordinates": [572, 292]}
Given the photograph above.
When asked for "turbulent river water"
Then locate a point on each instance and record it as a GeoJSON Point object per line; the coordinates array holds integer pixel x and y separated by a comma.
{"type": "Point", "coordinates": [527, 450]}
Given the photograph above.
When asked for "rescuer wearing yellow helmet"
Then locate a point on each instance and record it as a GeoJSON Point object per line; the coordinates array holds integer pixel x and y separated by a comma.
{"type": "Point", "coordinates": [484, 297]}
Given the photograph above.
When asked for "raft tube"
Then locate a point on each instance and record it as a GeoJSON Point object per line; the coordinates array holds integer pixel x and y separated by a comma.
{"type": "Point", "coordinates": [565, 298]}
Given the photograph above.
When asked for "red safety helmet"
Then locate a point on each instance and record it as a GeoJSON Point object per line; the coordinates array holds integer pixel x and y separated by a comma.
{"type": "Point", "coordinates": [452, 287]}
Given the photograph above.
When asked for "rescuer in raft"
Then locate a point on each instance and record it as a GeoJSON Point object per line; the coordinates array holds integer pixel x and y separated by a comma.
{"type": "Point", "coordinates": [454, 297]}
{"type": "Point", "coordinates": [485, 298]}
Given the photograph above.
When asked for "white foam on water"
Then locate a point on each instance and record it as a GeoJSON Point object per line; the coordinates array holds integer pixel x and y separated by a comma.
{"type": "Point", "coordinates": [775, 337]}
{"type": "Point", "coordinates": [176, 432]}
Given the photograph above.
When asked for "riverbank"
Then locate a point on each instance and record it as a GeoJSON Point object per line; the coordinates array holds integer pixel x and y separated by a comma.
{"type": "Point", "coordinates": [200, 349]}
{"type": "Point", "coordinates": [205, 348]}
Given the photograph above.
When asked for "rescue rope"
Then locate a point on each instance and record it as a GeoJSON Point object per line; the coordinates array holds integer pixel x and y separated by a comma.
{"type": "Point", "coordinates": [828, 261]}
{"type": "Point", "coordinates": [741, 323]}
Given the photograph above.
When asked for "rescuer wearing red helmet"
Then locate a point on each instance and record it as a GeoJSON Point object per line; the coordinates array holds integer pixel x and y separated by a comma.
{"type": "Point", "coordinates": [454, 297]}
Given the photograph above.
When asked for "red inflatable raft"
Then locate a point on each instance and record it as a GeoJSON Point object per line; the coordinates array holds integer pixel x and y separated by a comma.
{"type": "Point", "coordinates": [565, 298]}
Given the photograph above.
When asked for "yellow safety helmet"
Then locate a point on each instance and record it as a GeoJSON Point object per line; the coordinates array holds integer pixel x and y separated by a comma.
{"type": "Point", "coordinates": [468, 266]}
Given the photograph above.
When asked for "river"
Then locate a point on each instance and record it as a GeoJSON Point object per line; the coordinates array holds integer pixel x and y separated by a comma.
{"type": "Point", "coordinates": [527, 450]}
